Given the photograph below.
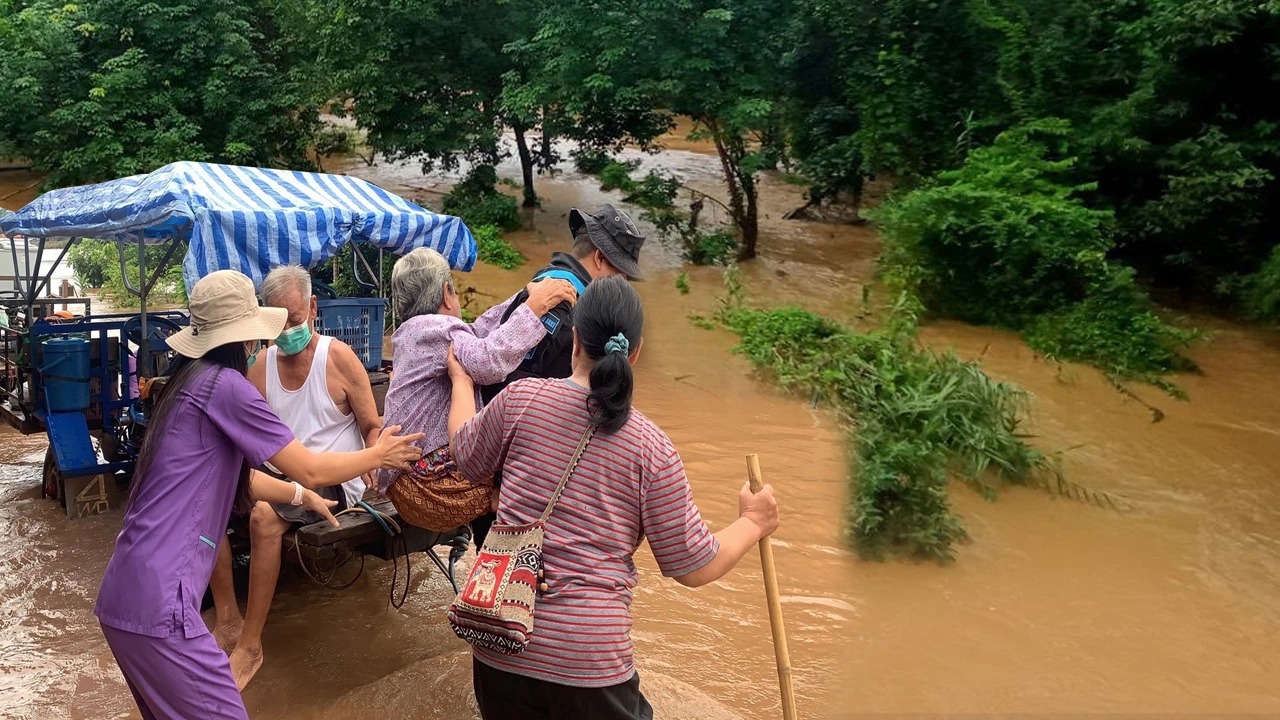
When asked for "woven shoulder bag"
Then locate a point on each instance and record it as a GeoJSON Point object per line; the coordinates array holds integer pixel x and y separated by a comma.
{"type": "Point", "coordinates": [494, 609]}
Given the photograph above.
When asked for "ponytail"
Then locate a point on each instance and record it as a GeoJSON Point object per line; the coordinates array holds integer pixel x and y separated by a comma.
{"type": "Point", "coordinates": [611, 384]}
{"type": "Point", "coordinates": [608, 318]}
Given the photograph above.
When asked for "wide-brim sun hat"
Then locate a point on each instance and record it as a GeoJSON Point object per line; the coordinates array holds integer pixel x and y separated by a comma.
{"type": "Point", "coordinates": [613, 232]}
{"type": "Point", "coordinates": [224, 309]}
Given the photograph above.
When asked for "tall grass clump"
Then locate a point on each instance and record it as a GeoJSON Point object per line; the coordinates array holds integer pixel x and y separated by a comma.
{"type": "Point", "coordinates": [915, 418]}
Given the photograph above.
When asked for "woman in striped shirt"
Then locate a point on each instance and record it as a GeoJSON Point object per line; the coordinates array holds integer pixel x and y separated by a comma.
{"type": "Point", "coordinates": [629, 485]}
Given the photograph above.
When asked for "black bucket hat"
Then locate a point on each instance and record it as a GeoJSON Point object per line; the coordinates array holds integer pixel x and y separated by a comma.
{"type": "Point", "coordinates": [614, 234]}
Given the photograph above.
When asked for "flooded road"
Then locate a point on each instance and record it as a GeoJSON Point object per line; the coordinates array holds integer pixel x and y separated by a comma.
{"type": "Point", "coordinates": [1171, 605]}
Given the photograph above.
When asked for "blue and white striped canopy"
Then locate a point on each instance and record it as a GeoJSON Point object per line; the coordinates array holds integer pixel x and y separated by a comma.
{"type": "Point", "coordinates": [243, 218]}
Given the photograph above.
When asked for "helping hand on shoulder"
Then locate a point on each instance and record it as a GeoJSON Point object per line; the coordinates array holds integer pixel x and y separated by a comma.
{"type": "Point", "coordinates": [548, 293]}
{"type": "Point", "coordinates": [397, 450]}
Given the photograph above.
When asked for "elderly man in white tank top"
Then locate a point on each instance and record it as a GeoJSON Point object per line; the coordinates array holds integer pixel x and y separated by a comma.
{"type": "Point", "coordinates": [319, 388]}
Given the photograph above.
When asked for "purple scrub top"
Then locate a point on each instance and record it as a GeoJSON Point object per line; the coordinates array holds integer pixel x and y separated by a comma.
{"type": "Point", "coordinates": [166, 550]}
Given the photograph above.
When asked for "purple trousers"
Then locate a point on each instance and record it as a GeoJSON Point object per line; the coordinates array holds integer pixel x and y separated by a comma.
{"type": "Point", "coordinates": [176, 678]}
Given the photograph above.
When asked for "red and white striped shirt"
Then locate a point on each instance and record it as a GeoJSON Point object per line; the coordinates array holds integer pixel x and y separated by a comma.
{"type": "Point", "coordinates": [628, 486]}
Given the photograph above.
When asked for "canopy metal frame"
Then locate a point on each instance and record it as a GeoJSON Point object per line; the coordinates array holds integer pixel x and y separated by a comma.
{"type": "Point", "coordinates": [32, 283]}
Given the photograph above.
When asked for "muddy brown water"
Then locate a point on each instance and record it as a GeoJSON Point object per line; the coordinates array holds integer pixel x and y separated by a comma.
{"type": "Point", "coordinates": [1171, 605]}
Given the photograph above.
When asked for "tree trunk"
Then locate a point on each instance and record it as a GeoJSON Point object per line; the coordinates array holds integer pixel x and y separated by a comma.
{"type": "Point", "coordinates": [743, 206]}
{"type": "Point", "coordinates": [751, 222]}
{"type": "Point", "coordinates": [526, 166]}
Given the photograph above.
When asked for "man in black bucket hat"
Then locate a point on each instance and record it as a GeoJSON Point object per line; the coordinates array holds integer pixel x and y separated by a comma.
{"type": "Point", "coordinates": [613, 235]}
{"type": "Point", "coordinates": [605, 243]}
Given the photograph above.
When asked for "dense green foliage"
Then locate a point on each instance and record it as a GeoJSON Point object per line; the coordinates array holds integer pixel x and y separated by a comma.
{"type": "Point", "coordinates": [427, 78]}
{"type": "Point", "coordinates": [107, 88]}
{"type": "Point", "coordinates": [1171, 105]}
{"type": "Point", "coordinates": [478, 202]}
{"type": "Point", "coordinates": [495, 250]}
{"type": "Point", "coordinates": [1007, 240]}
{"type": "Point", "coordinates": [716, 62]}
{"type": "Point", "coordinates": [1262, 290]}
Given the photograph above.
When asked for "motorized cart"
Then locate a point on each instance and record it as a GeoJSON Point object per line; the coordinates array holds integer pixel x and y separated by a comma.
{"type": "Point", "coordinates": [87, 380]}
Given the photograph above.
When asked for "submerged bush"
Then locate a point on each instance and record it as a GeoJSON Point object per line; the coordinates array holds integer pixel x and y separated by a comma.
{"type": "Point", "coordinates": [591, 162]}
{"type": "Point", "coordinates": [477, 201]}
{"type": "Point", "coordinates": [710, 248]}
{"type": "Point", "coordinates": [495, 250]}
{"type": "Point", "coordinates": [1117, 332]}
{"type": "Point", "coordinates": [656, 192]}
{"type": "Point", "coordinates": [617, 175]}
{"type": "Point", "coordinates": [682, 283]}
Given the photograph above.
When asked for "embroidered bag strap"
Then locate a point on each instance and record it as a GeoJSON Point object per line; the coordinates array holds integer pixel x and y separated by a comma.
{"type": "Point", "coordinates": [577, 455]}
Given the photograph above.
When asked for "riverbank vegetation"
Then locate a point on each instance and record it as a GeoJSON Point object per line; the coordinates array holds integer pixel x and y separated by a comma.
{"type": "Point", "coordinates": [1165, 105]}
{"type": "Point", "coordinates": [1007, 239]}
{"type": "Point", "coordinates": [102, 89]}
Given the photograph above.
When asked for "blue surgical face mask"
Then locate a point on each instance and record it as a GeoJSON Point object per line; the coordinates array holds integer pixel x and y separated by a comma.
{"type": "Point", "coordinates": [295, 339]}
{"type": "Point", "coordinates": [253, 352]}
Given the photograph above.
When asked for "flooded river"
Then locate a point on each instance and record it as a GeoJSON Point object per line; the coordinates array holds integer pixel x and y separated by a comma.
{"type": "Point", "coordinates": [1171, 605]}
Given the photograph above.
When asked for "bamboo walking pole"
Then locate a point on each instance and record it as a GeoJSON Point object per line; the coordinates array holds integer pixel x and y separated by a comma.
{"type": "Point", "coordinates": [780, 652]}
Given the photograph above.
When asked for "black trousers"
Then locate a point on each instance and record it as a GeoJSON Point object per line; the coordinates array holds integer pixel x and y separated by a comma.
{"type": "Point", "coordinates": [507, 696]}
{"type": "Point", "coordinates": [480, 528]}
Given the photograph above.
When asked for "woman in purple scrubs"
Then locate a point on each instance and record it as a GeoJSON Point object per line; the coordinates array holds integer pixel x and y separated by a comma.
{"type": "Point", "coordinates": [208, 429]}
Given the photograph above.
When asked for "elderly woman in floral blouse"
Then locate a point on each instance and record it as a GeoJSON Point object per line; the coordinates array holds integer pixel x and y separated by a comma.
{"type": "Point", "coordinates": [431, 318]}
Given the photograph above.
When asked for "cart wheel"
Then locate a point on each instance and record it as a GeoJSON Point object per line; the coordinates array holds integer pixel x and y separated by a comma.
{"type": "Point", "coordinates": [53, 485]}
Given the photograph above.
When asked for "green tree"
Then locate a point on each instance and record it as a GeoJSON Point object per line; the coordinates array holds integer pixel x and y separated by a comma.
{"type": "Point", "coordinates": [108, 88]}
{"type": "Point", "coordinates": [890, 87]}
{"type": "Point", "coordinates": [427, 79]}
{"type": "Point", "coordinates": [715, 61]}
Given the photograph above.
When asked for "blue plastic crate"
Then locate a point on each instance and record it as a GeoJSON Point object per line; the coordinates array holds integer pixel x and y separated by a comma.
{"type": "Point", "coordinates": [357, 322]}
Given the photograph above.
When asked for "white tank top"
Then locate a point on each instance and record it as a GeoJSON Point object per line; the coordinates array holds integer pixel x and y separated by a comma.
{"type": "Point", "coordinates": [311, 414]}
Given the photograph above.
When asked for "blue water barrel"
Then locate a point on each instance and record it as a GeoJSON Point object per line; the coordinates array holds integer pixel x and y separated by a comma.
{"type": "Point", "coordinates": [65, 373]}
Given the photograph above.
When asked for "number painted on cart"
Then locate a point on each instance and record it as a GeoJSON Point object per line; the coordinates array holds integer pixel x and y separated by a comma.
{"type": "Point", "coordinates": [95, 503]}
